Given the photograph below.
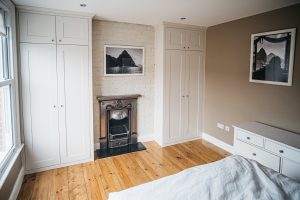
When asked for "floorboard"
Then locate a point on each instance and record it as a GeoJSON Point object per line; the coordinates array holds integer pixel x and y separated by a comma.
{"type": "Point", "coordinates": [94, 180]}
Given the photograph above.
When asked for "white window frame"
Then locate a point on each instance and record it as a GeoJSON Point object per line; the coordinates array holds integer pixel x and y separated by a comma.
{"type": "Point", "coordinates": [14, 153]}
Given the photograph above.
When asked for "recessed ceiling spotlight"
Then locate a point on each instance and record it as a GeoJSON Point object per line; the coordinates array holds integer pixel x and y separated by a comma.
{"type": "Point", "coordinates": [182, 18]}
{"type": "Point", "coordinates": [82, 5]}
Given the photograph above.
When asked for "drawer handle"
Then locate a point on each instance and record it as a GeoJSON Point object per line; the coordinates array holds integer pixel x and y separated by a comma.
{"type": "Point", "coordinates": [281, 151]}
{"type": "Point", "coordinates": [248, 138]}
{"type": "Point", "coordinates": [254, 154]}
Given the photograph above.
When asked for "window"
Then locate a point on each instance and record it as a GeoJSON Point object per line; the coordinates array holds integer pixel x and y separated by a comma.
{"type": "Point", "coordinates": [6, 140]}
{"type": "Point", "coordinates": [7, 90]}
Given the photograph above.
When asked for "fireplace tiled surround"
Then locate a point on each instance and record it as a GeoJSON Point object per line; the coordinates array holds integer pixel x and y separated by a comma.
{"type": "Point", "coordinates": [118, 125]}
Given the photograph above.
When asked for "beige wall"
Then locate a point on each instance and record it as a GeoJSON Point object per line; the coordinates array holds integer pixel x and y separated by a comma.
{"type": "Point", "coordinates": [114, 33]}
{"type": "Point", "coordinates": [229, 96]}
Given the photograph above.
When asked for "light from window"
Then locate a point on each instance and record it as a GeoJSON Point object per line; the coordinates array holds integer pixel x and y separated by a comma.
{"type": "Point", "coordinates": [6, 89]}
{"type": "Point", "coordinates": [6, 136]}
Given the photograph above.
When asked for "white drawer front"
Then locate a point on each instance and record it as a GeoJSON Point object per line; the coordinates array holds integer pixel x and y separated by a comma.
{"type": "Point", "coordinates": [291, 169]}
{"type": "Point", "coordinates": [265, 158]}
{"type": "Point", "coordinates": [283, 151]}
{"type": "Point", "coordinates": [250, 138]}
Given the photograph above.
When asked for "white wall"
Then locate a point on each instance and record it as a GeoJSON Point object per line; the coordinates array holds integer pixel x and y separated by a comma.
{"type": "Point", "coordinates": [159, 82]}
{"type": "Point", "coordinates": [114, 33]}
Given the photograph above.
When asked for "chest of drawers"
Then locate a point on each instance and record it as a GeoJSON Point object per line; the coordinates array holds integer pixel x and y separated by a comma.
{"type": "Point", "coordinates": [272, 147]}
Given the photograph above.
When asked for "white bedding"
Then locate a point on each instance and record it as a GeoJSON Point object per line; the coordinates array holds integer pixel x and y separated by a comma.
{"type": "Point", "coordinates": [234, 177]}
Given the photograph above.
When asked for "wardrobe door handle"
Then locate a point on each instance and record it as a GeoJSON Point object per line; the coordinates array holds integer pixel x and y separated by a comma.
{"type": "Point", "coordinates": [254, 154]}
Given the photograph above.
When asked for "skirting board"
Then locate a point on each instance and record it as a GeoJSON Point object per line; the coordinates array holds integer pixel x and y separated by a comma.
{"type": "Point", "coordinates": [180, 141]}
{"type": "Point", "coordinates": [142, 138]}
{"type": "Point", "coordinates": [16, 189]}
{"type": "Point", "coordinates": [145, 138]}
{"type": "Point", "coordinates": [58, 166]}
{"type": "Point", "coordinates": [218, 142]}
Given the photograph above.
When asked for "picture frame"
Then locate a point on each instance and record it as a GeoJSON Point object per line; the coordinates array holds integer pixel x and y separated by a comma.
{"type": "Point", "coordinates": [123, 60]}
{"type": "Point", "coordinates": [272, 57]}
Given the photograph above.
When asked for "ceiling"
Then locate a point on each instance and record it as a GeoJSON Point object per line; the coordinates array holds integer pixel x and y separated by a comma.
{"type": "Point", "coordinates": [153, 12]}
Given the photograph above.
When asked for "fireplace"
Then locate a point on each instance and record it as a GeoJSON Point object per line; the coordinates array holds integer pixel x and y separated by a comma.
{"type": "Point", "coordinates": [118, 125]}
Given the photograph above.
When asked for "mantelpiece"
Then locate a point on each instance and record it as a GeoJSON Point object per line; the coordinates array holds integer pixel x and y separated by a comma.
{"type": "Point", "coordinates": [116, 97]}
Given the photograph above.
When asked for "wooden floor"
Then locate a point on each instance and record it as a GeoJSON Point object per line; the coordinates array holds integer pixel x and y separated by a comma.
{"type": "Point", "coordinates": [94, 180]}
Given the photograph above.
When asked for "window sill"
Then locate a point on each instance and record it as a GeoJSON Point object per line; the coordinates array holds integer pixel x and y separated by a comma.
{"type": "Point", "coordinates": [13, 158]}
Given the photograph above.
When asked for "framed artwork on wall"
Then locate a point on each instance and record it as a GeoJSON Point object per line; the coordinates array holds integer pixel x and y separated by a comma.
{"type": "Point", "coordinates": [272, 57]}
{"type": "Point", "coordinates": [123, 60]}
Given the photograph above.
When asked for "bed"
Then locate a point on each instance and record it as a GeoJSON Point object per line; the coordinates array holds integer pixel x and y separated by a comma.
{"type": "Point", "coordinates": [234, 177]}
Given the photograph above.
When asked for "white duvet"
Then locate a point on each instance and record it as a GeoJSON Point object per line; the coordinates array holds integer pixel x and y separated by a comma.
{"type": "Point", "coordinates": [234, 177]}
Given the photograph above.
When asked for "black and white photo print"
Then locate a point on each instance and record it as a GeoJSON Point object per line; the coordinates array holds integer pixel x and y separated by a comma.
{"type": "Point", "coordinates": [272, 56]}
{"type": "Point", "coordinates": [123, 60]}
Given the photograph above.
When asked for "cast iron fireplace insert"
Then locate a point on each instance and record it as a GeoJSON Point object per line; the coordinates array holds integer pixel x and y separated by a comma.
{"type": "Point", "coordinates": [118, 125]}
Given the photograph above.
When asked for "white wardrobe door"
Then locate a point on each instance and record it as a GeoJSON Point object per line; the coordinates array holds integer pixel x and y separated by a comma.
{"type": "Point", "coordinates": [194, 67]}
{"type": "Point", "coordinates": [73, 70]}
{"type": "Point", "coordinates": [175, 38]}
{"type": "Point", "coordinates": [39, 97]}
{"type": "Point", "coordinates": [37, 28]}
{"type": "Point", "coordinates": [175, 99]}
{"type": "Point", "coordinates": [194, 40]}
{"type": "Point", "coordinates": [72, 30]}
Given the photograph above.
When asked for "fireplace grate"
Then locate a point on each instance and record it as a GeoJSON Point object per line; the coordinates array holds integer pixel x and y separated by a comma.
{"type": "Point", "coordinates": [120, 129]}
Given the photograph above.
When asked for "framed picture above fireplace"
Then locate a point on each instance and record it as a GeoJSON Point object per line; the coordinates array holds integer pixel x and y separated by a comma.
{"type": "Point", "coordinates": [123, 60]}
{"type": "Point", "coordinates": [272, 57]}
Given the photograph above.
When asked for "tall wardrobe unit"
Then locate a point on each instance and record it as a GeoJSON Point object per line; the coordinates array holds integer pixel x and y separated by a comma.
{"type": "Point", "coordinates": [179, 77]}
{"type": "Point", "coordinates": [56, 82]}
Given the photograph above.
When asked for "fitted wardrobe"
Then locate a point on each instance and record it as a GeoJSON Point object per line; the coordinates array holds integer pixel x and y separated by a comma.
{"type": "Point", "coordinates": [179, 77]}
{"type": "Point", "coordinates": [56, 82]}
